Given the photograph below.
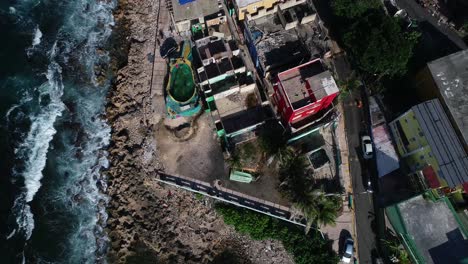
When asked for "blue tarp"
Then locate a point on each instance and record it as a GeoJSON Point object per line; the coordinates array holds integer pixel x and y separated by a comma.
{"type": "Point", "coordinates": [183, 2]}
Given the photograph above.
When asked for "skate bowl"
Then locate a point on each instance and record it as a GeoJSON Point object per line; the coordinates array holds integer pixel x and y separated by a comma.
{"type": "Point", "coordinates": [181, 85]}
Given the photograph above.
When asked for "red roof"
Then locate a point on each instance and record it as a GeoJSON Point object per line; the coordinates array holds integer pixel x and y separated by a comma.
{"type": "Point", "coordinates": [431, 177]}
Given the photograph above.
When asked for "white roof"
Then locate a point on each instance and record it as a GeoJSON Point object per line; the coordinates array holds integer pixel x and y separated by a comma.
{"type": "Point", "coordinates": [385, 153]}
{"type": "Point", "coordinates": [242, 3]}
{"type": "Point", "coordinates": [387, 158]}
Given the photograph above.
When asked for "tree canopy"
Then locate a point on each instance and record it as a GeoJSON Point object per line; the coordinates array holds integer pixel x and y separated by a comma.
{"type": "Point", "coordinates": [353, 8]}
{"type": "Point", "coordinates": [379, 46]}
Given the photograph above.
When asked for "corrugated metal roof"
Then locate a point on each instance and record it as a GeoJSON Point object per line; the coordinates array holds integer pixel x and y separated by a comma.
{"type": "Point", "coordinates": [444, 143]}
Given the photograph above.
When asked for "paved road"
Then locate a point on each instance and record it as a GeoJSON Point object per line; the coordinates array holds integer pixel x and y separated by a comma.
{"type": "Point", "coordinates": [359, 170]}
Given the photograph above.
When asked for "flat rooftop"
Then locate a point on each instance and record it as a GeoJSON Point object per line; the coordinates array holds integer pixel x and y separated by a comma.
{"type": "Point", "coordinates": [211, 48]}
{"type": "Point", "coordinates": [193, 10]}
{"type": "Point", "coordinates": [250, 117]}
{"type": "Point", "coordinates": [450, 73]}
{"type": "Point", "coordinates": [236, 102]}
{"type": "Point", "coordinates": [242, 3]}
{"type": "Point", "coordinates": [433, 228]}
{"type": "Point", "coordinates": [385, 153]}
{"type": "Point", "coordinates": [307, 83]}
{"type": "Point", "coordinates": [275, 46]}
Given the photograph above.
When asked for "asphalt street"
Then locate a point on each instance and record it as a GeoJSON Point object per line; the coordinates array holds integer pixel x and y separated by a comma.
{"type": "Point", "coordinates": [415, 11]}
{"type": "Point", "coordinates": [360, 169]}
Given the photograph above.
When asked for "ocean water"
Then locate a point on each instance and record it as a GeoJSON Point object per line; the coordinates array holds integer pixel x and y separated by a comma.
{"type": "Point", "coordinates": [52, 131]}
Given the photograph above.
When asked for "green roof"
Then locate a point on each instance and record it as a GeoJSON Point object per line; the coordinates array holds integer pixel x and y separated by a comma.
{"type": "Point", "coordinates": [431, 229]}
{"type": "Point", "coordinates": [240, 176]}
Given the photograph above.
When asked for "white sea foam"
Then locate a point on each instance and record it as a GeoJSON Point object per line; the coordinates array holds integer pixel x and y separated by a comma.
{"type": "Point", "coordinates": [37, 37]}
{"type": "Point", "coordinates": [24, 219]}
{"type": "Point", "coordinates": [34, 148]}
{"type": "Point", "coordinates": [79, 38]}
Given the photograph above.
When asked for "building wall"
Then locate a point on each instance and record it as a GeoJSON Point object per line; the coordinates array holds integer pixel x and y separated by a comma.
{"type": "Point", "coordinates": [427, 89]}
{"type": "Point", "coordinates": [311, 109]}
{"type": "Point", "coordinates": [284, 109]}
{"type": "Point", "coordinates": [290, 115]}
{"type": "Point", "coordinates": [265, 7]}
{"type": "Point", "coordinates": [253, 50]}
{"type": "Point", "coordinates": [412, 145]}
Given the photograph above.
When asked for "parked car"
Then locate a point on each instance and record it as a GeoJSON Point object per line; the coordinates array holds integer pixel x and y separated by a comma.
{"type": "Point", "coordinates": [348, 250]}
{"type": "Point", "coordinates": [367, 149]}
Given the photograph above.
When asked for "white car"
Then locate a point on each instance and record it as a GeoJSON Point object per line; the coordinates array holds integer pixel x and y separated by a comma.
{"type": "Point", "coordinates": [348, 251]}
{"type": "Point", "coordinates": [367, 149]}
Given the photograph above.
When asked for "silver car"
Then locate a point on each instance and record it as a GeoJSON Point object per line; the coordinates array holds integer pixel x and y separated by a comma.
{"type": "Point", "coordinates": [348, 250]}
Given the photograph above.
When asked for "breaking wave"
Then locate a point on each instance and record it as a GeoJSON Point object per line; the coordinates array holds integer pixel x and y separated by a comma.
{"type": "Point", "coordinates": [60, 151]}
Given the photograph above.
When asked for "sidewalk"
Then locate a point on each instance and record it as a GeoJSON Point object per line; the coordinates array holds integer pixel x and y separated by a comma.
{"type": "Point", "coordinates": [345, 223]}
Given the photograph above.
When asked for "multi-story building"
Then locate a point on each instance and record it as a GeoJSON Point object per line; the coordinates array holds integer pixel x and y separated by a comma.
{"type": "Point", "coordinates": [253, 9]}
{"type": "Point", "coordinates": [447, 79]}
{"type": "Point", "coordinates": [430, 229]}
{"type": "Point", "coordinates": [430, 148]}
{"type": "Point", "coordinates": [189, 16]}
{"type": "Point", "coordinates": [278, 39]}
{"type": "Point", "coordinates": [303, 91]}
{"type": "Point", "coordinates": [230, 90]}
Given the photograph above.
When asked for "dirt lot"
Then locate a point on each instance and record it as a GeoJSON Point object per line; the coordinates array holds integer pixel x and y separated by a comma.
{"type": "Point", "coordinates": [199, 157]}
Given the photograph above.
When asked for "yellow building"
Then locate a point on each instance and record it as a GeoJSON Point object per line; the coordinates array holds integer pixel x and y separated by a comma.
{"type": "Point", "coordinates": [427, 144]}
{"type": "Point", "coordinates": [254, 9]}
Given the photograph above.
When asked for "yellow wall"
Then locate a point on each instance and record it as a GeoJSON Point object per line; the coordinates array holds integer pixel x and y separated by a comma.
{"type": "Point", "coordinates": [417, 154]}
{"type": "Point", "coordinates": [264, 7]}
{"type": "Point", "coordinates": [252, 8]}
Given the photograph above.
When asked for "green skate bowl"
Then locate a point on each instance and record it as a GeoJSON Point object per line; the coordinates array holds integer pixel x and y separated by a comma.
{"type": "Point", "coordinates": [181, 85]}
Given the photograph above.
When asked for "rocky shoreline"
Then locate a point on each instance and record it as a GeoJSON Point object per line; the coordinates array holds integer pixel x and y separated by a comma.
{"type": "Point", "coordinates": [149, 222]}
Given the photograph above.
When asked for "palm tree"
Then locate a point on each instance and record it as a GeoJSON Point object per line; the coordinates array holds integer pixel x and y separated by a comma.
{"type": "Point", "coordinates": [235, 161]}
{"type": "Point", "coordinates": [292, 175]}
{"type": "Point", "coordinates": [305, 203]}
{"type": "Point", "coordinates": [327, 211]}
{"type": "Point", "coordinates": [318, 209]}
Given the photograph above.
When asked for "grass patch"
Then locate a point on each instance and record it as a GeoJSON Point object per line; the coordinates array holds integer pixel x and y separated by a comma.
{"type": "Point", "coordinates": [199, 196]}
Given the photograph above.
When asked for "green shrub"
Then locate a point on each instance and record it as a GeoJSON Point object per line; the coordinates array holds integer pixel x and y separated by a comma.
{"type": "Point", "coordinates": [199, 196]}
{"type": "Point", "coordinates": [305, 249]}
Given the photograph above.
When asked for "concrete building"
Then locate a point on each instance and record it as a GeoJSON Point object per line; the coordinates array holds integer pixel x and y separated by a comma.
{"type": "Point", "coordinates": [186, 15]}
{"type": "Point", "coordinates": [430, 149]}
{"type": "Point", "coordinates": [280, 39]}
{"type": "Point", "coordinates": [447, 79]}
{"type": "Point", "coordinates": [253, 9]}
{"type": "Point", "coordinates": [385, 154]}
{"type": "Point", "coordinates": [431, 230]}
{"type": "Point", "coordinates": [303, 91]}
{"type": "Point", "coordinates": [230, 90]}
{"type": "Point", "coordinates": [217, 25]}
